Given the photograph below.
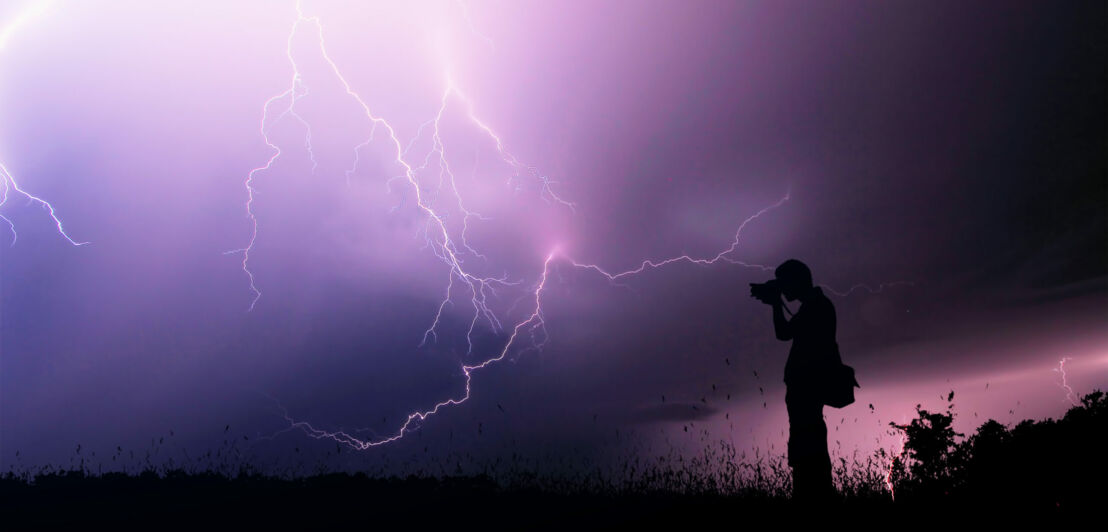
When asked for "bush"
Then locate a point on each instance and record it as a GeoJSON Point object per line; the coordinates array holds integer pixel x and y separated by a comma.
{"type": "Point", "coordinates": [1038, 464]}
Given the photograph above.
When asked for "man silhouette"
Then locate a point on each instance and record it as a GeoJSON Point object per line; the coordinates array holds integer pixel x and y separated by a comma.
{"type": "Point", "coordinates": [813, 354]}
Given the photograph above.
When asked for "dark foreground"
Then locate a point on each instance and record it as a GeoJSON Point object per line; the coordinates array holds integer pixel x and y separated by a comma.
{"type": "Point", "coordinates": [1049, 471]}
{"type": "Point", "coordinates": [212, 501]}
{"type": "Point", "coordinates": [174, 499]}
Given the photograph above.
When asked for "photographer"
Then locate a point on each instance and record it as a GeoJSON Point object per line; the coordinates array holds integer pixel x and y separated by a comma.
{"type": "Point", "coordinates": [814, 352]}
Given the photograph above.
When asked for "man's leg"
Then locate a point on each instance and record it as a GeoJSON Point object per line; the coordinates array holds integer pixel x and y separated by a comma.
{"type": "Point", "coordinates": [822, 487]}
{"type": "Point", "coordinates": [807, 446]}
{"type": "Point", "coordinates": [799, 446]}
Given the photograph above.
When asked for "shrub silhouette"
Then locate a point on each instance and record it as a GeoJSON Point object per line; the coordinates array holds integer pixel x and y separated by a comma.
{"type": "Point", "coordinates": [930, 463]}
{"type": "Point", "coordinates": [1049, 464]}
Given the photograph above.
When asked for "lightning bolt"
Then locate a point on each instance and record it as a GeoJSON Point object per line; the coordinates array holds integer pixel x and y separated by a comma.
{"type": "Point", "coordinates": [464, 7]}
{"type": "Point", "coordinates": [648, 264]}
{"type": "Point", "coordinates": [880, 288]}
{"type": "Point", "coordinates": [450, 247]}
{"type": "Point", "coordinates": [530, 325]}
{"type": "Point", "coordinates": [898, 457]}
{"type": "Point", "coordinates": [1070, 395]}
{"type": "Point", "coordinates": [8, 184]}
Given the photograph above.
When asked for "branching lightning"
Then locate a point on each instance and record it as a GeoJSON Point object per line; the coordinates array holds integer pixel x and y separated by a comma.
{"type": "Point", "coordinates": [451, 247]}
{"type": "Point", "coordinates": [8, 183]}
{"type": "Point", "coordinates": [532, 324]}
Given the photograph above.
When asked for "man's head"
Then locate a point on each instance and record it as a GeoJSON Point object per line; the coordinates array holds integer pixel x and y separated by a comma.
{"type": "Point", "coordinates": [794, 278]}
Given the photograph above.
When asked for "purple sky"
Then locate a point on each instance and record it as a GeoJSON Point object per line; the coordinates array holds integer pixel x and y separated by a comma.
{"type": "Point", "coordinates": [957, 148]}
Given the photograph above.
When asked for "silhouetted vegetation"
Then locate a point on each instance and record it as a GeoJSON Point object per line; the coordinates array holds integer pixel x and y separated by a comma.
{"type": "Point", "coordinates": [1035, 465]}
{"type": "Point", "coordinates": [1049, 467]}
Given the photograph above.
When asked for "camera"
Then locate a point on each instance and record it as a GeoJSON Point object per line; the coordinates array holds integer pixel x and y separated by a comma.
{"type": "Point", "coordinates": [766, 292]}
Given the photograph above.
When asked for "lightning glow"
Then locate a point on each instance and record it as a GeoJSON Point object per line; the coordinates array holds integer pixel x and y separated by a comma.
{"type": "Point", "coordinates": [31, 12]}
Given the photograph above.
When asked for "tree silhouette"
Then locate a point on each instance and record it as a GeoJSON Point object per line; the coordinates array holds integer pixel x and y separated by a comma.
{"type": "Point", "coordinates": [931, 461]}
{"type": "Point", "coordinates": [1050, 464]}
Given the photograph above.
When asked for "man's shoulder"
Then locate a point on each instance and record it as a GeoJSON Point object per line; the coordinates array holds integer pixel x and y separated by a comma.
{"type": "Point", "coordinates": [822, 296]}
{"type": "Point", "coordinates": [819, 303]}
{"type": "Point", "coordinates": [818, 299]}
{"type": "Point", "coordinates": [822, 301]}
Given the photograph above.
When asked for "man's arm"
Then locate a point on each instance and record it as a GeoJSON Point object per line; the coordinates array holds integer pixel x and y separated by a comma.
{"type": "Point", "coordinates": [780, 324]}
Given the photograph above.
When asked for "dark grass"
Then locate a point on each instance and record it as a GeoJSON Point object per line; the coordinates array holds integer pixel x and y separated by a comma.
{"type": "Point", "coordinates": [1051, 469]}
{"type": "Point", "coordinates": [175, 497]}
